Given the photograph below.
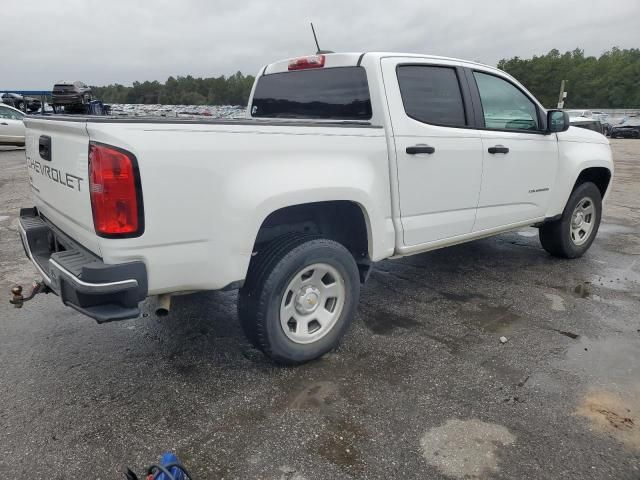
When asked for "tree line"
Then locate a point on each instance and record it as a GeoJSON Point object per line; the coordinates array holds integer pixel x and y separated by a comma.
{"type": "Point", "coordinates": [611, 80]}
{"type": "Point", "coordinates": [232, 90]}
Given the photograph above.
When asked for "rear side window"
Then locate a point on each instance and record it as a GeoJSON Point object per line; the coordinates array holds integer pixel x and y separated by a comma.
{"type": "Point", "coordinates": [340, 93]}
{"type": "Point", "coordinates": [432, 94]}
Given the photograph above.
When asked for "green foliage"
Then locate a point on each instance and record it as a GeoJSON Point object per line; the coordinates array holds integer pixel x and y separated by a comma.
{"type": "Point", "coordinates": [233, 90]}
{"type": "Point", "coordinates": [610, 81]}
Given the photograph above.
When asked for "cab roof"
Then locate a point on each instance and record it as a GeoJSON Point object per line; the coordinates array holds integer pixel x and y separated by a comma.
{"type": "Point", "coordinates": [348, 59]}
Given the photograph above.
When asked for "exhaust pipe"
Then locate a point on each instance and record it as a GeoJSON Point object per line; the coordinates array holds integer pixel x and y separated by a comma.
{"type": "Point", "coordinates": [164, 305]}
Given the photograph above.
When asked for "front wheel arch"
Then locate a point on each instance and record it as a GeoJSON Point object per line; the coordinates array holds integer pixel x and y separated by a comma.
{"type": "Point", "coordinates": [555, 235]}
{"type": "Point", "coordinates": [599, 176]}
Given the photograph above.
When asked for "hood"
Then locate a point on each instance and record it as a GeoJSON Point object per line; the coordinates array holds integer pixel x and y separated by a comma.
{"type": "Point", "coordinates": [575, 134]}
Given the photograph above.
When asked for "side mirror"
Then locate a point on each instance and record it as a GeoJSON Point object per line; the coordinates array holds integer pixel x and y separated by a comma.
{"type": "Point", "coordinates": [557, 121]}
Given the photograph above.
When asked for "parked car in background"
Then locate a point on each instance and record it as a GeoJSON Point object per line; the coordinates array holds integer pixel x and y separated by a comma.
{"type": "Point", "coordinates": [580, 113]}
{"type": "Point", "coordinates": [604, 118]}
{"type": "Point", "coordinates": [70, 95]}
{"type": "Point", "coordinates": [17, 101]}
{"type": "Point", "coordinates": [585, 119]}
{"type": "Point", "coordinates": [588, 123]}
{"type": "Point", "coordinates": [11, 126]}
{"type": "Point", "coordinates": [629, 128]}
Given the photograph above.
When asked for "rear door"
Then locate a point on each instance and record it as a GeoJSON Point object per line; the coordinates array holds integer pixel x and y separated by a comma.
{"type": "Point", "coordinates": [58, 167]}
{"type": "Point", "coordinates": [520, 161]}
{"type": "Point", "coordinates": [439, 155]}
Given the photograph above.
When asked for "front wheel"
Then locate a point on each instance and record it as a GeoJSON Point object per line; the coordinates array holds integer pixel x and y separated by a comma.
{"type": "Point", "coordinates": [572, 234]}
{"type": "Point", "coordinates": [299, 298]}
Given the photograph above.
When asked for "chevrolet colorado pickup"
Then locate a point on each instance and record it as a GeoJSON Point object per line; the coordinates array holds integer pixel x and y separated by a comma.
{"type": "Point", "coordinates": [343, 160]}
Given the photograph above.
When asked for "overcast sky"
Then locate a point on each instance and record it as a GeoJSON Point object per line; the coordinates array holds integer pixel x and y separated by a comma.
{"type": "Point", "coordinates": [107, 41]}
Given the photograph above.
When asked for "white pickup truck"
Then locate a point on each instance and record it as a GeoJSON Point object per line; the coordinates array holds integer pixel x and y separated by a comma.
{"type": "Point", "coordinates": [343, 160]}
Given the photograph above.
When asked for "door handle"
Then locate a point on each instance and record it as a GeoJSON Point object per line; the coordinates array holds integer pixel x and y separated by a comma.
{"type": "Point", "coordinates": [420, 149]}
{"type": "Point", "coordinates": [498, 149]}
{"type": "Point", "coordinates": [4, 123]}
{"type": "Point", "coordinates": [44, 147]}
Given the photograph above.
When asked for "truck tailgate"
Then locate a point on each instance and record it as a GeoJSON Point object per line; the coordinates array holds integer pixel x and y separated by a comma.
{"type": "Point", "coordinates": [57, 161]}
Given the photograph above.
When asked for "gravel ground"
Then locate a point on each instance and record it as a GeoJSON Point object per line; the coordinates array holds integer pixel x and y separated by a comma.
{"type": "Point", "coordinates": [421, 388]}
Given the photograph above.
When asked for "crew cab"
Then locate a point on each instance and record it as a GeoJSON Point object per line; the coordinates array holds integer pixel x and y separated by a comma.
{"type": "Point", "coordinates": [343, 160]}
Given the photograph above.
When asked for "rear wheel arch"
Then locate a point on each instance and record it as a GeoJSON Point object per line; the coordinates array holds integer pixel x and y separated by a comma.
{"type": "Point", "coordinates": [344, 221]}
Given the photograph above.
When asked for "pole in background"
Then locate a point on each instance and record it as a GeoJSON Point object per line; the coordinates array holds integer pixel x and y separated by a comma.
{"type": "Point", "coordinates": [563, 94]}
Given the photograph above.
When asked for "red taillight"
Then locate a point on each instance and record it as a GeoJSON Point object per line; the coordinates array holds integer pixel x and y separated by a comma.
{"type": "Point", "coordinates": [114, 187]}
{"type": "Point", "coordinates": [302, 63]}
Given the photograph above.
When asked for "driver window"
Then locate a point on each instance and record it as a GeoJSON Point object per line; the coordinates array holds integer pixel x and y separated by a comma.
{"type": "Point", "coordinates": [504, 106]}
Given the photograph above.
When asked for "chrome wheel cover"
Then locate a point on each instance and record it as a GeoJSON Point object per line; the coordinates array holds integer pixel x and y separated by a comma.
{"type": "Point", "coordinates": [312, 303]}
{"type": "Point", "coordinates": [583, 220]}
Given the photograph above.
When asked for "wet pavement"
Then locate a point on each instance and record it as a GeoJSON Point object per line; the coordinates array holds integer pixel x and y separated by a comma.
{"type": "Point", "coordinates": [422, 387]}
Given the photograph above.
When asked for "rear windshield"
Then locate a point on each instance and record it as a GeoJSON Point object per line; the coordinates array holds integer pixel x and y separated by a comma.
{"type": "Point", "coordinates": [330, 93]}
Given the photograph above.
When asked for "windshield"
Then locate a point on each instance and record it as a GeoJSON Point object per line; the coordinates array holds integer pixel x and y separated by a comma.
{"type": "Point", "coordinates": [340, 93]}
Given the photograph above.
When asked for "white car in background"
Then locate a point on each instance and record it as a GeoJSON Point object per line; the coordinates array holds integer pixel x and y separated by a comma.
{"type": "Point", "coordinates": [11, 126]}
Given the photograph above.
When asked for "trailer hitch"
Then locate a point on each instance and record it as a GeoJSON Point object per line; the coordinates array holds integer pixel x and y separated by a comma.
{"type": "Point", "coordinates": [17, 299]}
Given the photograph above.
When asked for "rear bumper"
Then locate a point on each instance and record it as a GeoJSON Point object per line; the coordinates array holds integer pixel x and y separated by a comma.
{"type": "Point", "coordinates": [626, 132]}
{"type": "Point", "coordinates": [81, 279]}
{"type": "Point", "coordinates": [66, 99]}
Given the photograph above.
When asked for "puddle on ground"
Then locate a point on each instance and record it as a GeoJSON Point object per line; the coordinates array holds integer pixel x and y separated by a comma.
{"type": "Point", "coordinates": [465, 448]}
{"type": "Point", "coordinates": [626, 243]}
{"type": "Point", "coordinates": [582, 290]}
{"type": "Point", "coordinates": [607, 362]}
{"type": "Point", "coordinates": [383, 322]}
{"type": "Point", "coordinates": [618, 279]}
{"type": "Point", "coordinates": [557, 302]}
{"type": "Point", "coordinates": [491, 319]}
{"type": "Point", "coordinates": [316, 395]}
{"type": "Point", "coordinates": [533, 232]}
{"type": "Point", "coordinates": [619, 239]}
{"type": "Point", "coordinates": [613, 415]}
{"type": "Point", "coordinates": [613, 228]}
{"type": "Point", "coordinates": [611, 366]}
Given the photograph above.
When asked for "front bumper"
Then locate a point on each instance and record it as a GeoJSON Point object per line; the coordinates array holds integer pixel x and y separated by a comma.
{"type": "Point", "coordinates": [83, 282]}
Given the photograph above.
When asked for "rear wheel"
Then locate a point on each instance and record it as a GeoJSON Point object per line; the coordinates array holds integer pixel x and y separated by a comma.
{"type": "Point", "coordinates": [300, 297]}
{"type": "Point", "coordinates": [572, 234]}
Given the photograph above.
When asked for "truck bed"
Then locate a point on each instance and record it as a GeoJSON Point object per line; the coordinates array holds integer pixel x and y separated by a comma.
{"type": "Point", "coordinates": [204, 121]}
{"type": "Point", "coordinates": [206, 184]}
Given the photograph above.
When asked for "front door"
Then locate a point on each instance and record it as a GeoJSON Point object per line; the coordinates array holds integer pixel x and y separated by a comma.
{"type": "Point", "coordinates": [520, 161]}
{"type": "Point", "coordinates": [439, 158]}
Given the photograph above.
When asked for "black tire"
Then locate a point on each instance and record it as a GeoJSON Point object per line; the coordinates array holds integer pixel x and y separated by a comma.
{"type": "Point", "coordinates": [270, 272]}
{"type": "Point", "coordinates": [556, 236]}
